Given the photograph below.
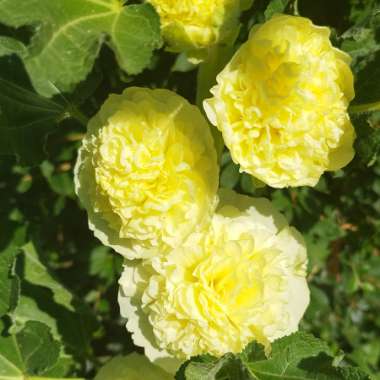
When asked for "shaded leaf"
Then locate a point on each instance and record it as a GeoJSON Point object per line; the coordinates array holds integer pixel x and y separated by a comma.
{"type": "Point", "coordinates": [30, 352]}
{"type": "Point", "coordinates": [45, 300]}
{"type": "Point", "coordinates": [25, 120]}
{"type": "Point", "coordinates": [11, 239]}
{"type": "Point", "coordinates": [230, 176]}
{"type": "Point", "coordinates": [367, 144]}
{"type": "Point", "coordinates": [367, 85]}
{"type": "Point", "coordinates": [11, 46]}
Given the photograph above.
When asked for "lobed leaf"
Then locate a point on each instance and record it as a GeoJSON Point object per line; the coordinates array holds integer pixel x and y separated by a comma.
{"type": "Point", "coordinates": [299, 356]}
{"type": "Point", "coordinates": [69, 34]}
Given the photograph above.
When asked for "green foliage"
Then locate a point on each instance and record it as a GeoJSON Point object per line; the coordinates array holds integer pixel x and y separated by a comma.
{"type": "Point", "coordinates": [298, 356]}
{"type": "Point", "coordinates": [362, 42]}
{"type": "Point", "coordinates": [67, 42]}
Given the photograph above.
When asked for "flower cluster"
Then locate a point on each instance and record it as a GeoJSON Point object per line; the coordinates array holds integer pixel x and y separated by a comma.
{"type": "Point", "coordinates": [208, 272]}
{"type": "Point", "coordinates": [241, 279]}
{"type": "Point", "coordinates": [281, 103]}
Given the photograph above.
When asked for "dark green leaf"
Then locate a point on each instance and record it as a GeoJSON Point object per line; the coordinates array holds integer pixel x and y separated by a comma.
{"type": "Point", "coordinates": [367, 84]}
{"type": "Point", "coordinates": [25, 120]}
{"type": "Point", "coordinates": [367, 144]}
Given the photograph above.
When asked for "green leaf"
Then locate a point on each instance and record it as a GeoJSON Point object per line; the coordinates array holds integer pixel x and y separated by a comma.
{"type": "Point", "coordinates": [60, 183]}
{"type": "Point", "coordinates": [319, 304]}
{"type": "Point", "coordinates": [132, 367]}
{"type": "Point", "coordinates": [319, 238]}
{"type": "Point", "coordinates": [208, 368]}
{"type": "Point", "coordinates": [367, 144]}
{"type": "Point", "coordinates": [45, 300]}
{"type": "Point", "coordinates": [11, 46]}
{"type": "Point", "coordinates": [70, 33]}
{"type": "Point", "coordinates": [230, 176]}
{"type": "Point", "coordinates": [182, 64]}
{"type": "Point", "coordinates": [37, 274]}
{"type": "Point", "coordinates": [298, 356]}
{"type": "Point", "coordinates": [11, 239]}
{"type": "Point", "coordinates": [25, 120]}
{"type": "Point", "coordinates": [367, 84]}
{"type": "Point", "coordinates": [31, 352]}
{"type": "Point", "coordinates": [105, 264]}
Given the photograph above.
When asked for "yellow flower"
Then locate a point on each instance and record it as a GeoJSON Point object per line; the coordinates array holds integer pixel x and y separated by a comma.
{"type": "Point", "coordinates": [147, 171]}
{"type": "Point", "coordinates": [132, 367]}
{"type": "Point", "coordinates": [192, 25]}
{"type": "Point", "coordinates": [281, 103]}
{"type": "Point", "coordinates": [242, 279]}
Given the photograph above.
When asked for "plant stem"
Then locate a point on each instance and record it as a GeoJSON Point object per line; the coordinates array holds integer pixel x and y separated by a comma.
{"type": "Point", "coordinates": [207, 72]}
{"type": "Point", "coordinates": [295, 5]}
{"type": "Point", "coordinates": [368, 107]}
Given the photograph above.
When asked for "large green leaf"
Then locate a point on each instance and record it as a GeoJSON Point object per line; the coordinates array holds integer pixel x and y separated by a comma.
{"type": "Point", "coordinates": [31, 352]}
{"type": "Point", "coordinates": [299, 356]}
{"type": "Point", "coordinates": [70, 33]}
{"type": "Point", "coordinates": [25, 120]}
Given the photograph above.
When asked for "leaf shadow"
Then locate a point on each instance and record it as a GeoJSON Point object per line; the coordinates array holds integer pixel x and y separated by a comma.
{"type": "Point", "coordinates": [74, 327]}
